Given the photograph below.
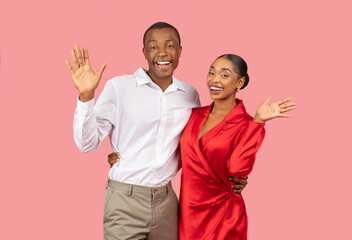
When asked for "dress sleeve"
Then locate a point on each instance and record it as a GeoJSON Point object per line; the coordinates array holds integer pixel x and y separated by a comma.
{"type": "Point", "coordinates": [245, 148]}
{"type": "Point", "coordinates": [93, 123]}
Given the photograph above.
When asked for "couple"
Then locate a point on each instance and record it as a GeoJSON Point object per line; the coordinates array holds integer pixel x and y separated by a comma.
{"type": "Point", "coordinates": [144, 115]}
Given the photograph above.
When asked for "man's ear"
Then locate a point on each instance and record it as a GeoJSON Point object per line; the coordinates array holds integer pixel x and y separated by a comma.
{"type": "Point", "coordinates": [180, 51]}
{"type": "Point", "coordinates": [144, 53]}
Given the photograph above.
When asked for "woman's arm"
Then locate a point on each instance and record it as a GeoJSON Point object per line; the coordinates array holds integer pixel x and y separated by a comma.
{"type": "Point", "coordinates": [245, 149]}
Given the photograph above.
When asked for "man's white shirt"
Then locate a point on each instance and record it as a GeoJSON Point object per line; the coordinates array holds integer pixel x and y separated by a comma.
{"type": "Point", "coordinates": [144, 124]}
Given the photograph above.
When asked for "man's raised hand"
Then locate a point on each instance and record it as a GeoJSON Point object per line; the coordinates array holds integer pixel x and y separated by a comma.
{"type": "Point", "coordinates": [85, 80]}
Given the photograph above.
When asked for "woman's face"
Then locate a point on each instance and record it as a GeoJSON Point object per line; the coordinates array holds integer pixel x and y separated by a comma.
{"type": "Point", "coordinates": [222, 80]}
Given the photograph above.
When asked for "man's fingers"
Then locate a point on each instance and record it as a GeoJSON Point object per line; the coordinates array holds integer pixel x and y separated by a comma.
{"type": "Point", "coordinates": [101, 69]}
{"type": "Point", "coordinates": [70, 68]}
{"type": "Point", "coordinates": [242, 181]}
{"type": "Point", "coordinates": [79, 55]}
{"type": "Point", "coordinates": [74, 59]}
{"type": "Point", "coordinates": [237, 187]}
{"type": "Point", "coordinates": [85, 53]}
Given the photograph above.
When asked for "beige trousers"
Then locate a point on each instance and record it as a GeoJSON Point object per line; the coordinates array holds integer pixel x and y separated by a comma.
{"type": "Point", "coordinates": [138, 212]}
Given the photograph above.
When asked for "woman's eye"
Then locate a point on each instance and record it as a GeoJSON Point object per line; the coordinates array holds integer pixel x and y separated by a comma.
{"type": "Point", "coordinates": [224, 75]}
{"type": "Point", "coordinates": [210, 73]}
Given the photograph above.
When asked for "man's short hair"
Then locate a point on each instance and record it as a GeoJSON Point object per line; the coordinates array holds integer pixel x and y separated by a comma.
{"type": "Point", "coordinates": [160, 25]}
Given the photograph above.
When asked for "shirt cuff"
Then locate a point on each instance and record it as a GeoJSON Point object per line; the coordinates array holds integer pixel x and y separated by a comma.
{"type": "Point", "coordinates": [85, 107]}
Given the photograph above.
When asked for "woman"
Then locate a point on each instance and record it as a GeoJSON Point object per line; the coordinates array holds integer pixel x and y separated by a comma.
{"type": "Point", "coordinates": [220, 140]}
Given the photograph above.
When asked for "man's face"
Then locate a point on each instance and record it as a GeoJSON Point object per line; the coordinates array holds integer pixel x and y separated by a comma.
{"type": "Point", "coordinates": [162, 51]}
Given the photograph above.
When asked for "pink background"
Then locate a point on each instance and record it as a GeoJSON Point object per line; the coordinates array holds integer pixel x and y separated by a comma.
{"type": "Point", "coordinates": [300, 187]}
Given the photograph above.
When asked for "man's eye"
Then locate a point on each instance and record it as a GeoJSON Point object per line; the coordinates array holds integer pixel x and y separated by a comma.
{"type": "Point", "coordinates": [153, 47]}
{"type": "Point", "coordinates": [169, 46]}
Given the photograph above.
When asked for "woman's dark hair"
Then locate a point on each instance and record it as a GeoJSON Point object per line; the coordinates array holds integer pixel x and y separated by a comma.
{"type": "Point", "coordinates": [160, 25]}
{"type": "Point", "coordinates": [240, 66]}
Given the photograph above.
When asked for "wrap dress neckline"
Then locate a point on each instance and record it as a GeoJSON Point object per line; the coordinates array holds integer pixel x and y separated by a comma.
{"type": "Point", "coordinates": [231, 118]}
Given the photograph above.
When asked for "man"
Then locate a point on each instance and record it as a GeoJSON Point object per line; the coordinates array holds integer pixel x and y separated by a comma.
{"type": "Point", "coordinates": [144, 115]}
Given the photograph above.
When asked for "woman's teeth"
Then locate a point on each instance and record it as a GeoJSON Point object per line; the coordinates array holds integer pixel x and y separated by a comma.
{"type": "Point", "coordinates": [216, 88]}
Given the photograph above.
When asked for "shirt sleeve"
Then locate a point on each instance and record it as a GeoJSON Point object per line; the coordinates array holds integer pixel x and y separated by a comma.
{"type": "Point", "coordinates": [196, 100]}
{"type": "Point", "coordinates": [246, 147]}
{"type": "Point", "coordinates": [91, 123]}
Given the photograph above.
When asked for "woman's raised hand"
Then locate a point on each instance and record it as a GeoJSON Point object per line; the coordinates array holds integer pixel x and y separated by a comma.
{"type": "Point", "coordinates": [267, 111]}
{"type": "Point", "coordinates": [85, 80]}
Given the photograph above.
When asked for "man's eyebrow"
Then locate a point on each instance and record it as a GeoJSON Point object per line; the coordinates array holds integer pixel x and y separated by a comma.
{"type": "Point", "coordinates": [168, 40]}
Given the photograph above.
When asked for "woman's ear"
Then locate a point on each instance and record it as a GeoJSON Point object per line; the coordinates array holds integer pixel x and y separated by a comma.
{"type": "Point", "coordinates": [240, 82]}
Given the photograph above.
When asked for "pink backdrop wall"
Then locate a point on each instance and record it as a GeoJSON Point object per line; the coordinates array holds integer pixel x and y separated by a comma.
{"type": "Point", "coordinates": [300, 187]}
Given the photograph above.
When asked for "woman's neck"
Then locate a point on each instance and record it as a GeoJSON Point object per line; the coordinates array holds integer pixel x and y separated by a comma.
{"type": "Point", "coordinates": [223, 106]}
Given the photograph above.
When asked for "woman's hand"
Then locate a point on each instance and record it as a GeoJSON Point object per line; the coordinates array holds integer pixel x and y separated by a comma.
{"type": "Point", "coordinates": [113, 158]}
{"type": "Point", "coordinates": [267, 111]}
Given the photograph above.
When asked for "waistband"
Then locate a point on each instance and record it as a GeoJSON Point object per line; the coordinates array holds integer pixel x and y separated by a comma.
{"type": "Point", "coordinates": [137, 188]}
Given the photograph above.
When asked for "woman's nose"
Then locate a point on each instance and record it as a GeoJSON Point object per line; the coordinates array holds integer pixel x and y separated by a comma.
{"type": "Point", "coordinates": [216, 79]}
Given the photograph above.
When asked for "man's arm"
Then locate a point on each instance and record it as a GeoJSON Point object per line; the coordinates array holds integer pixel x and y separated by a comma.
{"type": "Point", "coordinates": [240, 183]}
{"type": "Point", "coordinates": [90, 128]}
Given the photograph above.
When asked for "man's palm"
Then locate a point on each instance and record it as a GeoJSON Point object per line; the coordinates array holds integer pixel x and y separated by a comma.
{"type": "Point", "coordinates": [85, 80]}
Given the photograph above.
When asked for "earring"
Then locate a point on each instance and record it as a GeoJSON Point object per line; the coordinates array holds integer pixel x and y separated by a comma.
{"type": "Point", "coordinates": [238, 90]}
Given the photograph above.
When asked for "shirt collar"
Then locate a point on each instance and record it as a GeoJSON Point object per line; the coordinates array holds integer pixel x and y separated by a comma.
{"type": "Point", "coordinates": [143, 78]}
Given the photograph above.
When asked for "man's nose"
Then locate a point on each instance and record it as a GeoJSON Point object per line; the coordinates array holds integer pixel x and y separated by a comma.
{"type": "Point", "coordinates": [162, 51]}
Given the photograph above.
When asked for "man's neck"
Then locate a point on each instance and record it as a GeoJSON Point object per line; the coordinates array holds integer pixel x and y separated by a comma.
{"type": "Point", "coordinates": [163, 83]}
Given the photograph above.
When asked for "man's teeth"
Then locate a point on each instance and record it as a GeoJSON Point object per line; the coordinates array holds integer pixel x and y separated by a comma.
{"type": "Point", "coordinates": [215, 88]}
{"type": "Point", "coordinates": [162, 63]}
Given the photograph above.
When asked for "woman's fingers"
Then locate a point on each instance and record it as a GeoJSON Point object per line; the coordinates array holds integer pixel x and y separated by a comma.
{"type": "Point", "coordinates": [287, 105]}
{"type": "Point", "coordinates": [113, 158]}
{"type": "Point", "coordinates": [283, 101]}
{"type": "Point", "coordinates": [284, 116]}
{"type": "Point", "coordinates": [114, 155]}
{"type": "Point", "coordinates": [282, 110]}
{"type": "Point", "coordinates": [267, 100]}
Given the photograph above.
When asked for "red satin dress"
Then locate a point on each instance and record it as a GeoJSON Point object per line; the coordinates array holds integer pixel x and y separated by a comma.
{"type": "Point", "coordinates": [209, 209]}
